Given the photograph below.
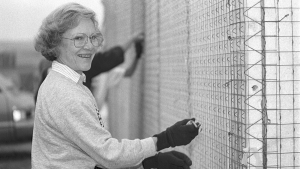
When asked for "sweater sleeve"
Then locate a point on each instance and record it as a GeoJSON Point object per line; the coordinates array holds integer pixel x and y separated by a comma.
{"type": "Point", "coordinates": [77, 119]}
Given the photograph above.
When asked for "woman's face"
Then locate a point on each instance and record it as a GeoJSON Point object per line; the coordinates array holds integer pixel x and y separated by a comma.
{"type": "Point", "coordinates": [78, 59]}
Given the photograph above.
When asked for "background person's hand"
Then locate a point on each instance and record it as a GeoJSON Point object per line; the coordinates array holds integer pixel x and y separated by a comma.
{"type": "Point", "coordinates": [131, 60]}
{"type": "Point", "coordinates": [138, 37]}
{"type": "Point", "coordinates": [168, 160]}
{"type": "Point", "coordinates": [138, 40]}
{"type": "Point", "coordinates": [139, 47]}
{"type": "Point", "coordinates": [177, 135]}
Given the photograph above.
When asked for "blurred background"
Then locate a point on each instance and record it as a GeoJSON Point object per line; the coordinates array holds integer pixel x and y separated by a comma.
{"type": "Point", "coordinates": [19, 73]}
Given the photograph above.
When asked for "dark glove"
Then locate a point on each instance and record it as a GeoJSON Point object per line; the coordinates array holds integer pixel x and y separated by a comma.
{"type": "Point", "coordinates": [177, 135]}
{"type": "Point", "coordinates": [168, 160]}
{"type": "Point", "coordinates": [139, 48]}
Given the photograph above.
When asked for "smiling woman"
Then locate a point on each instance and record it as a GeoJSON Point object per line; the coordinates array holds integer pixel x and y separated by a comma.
{"type": "Point", "coordinates": [72, 128]}
{"type": "Point", "coordinates": [78, 55]}
{"type": "Point", "coordinates": [68, 128]}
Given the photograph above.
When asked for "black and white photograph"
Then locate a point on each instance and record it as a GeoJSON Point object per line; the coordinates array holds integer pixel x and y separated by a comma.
{"type": "Point", "coordinates": [150, 84]}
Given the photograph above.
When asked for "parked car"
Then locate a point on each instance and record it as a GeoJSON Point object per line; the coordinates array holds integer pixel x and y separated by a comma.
{"type": "Point", "coordinates": [16, 112]}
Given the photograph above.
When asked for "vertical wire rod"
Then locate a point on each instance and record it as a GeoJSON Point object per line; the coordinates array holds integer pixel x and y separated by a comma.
{"type": "Point", "coordinates": [264, 98]}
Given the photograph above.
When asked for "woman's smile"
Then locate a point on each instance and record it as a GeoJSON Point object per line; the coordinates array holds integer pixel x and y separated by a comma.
{"type": "Point", "coordinates": [85, 55]}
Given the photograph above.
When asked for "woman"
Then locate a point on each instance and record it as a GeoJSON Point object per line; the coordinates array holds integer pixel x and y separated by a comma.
{"type": "Point", "coordinates": [68, 129]}
{"type": "Point", "coordinates": [104, 61]}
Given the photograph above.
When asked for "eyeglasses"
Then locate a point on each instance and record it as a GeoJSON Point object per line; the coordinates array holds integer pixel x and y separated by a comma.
{"type": "Point", "coordinates": [81, 39]}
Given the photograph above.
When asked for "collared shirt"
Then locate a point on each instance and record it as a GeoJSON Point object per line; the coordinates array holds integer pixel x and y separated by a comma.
{"type": "Point", "coordinates": [68, 72]}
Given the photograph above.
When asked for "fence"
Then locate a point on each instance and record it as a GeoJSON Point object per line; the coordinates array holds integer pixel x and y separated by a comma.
{"type": "Point", "coordinates": [231, 64]}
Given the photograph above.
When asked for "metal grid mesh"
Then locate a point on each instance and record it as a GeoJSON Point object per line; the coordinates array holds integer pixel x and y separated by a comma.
{"type": "Point", "coordinates": [234, 65]}
{"type": "Point", "coordinates": [151, 73]}
{"type": "Point", "coordinates": [217, 82]}
{"type": "Point", "coordinates": [136, 91]}
{"type": "Point", "coordinates": [120, 115]}
{"type": "Point", "coordinates": [273, 77]}
{"type": "Point", "coordinates": [173, 62]}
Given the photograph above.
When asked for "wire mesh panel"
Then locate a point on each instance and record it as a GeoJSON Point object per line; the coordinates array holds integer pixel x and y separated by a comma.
{"type": "Point", "coordinates": [273, 77]}
{"type": "Point", "coordinates": [136, 80]}
{"type": "Point", "coordinates": [173, 62]}
{"type": "Point", "coordinates": [233, 65]}
{"type": "Point", "coordinates": [151, 73]}
{"type": "Point", "coordinates": [218, 84]}
{"type": "Point", "coordinates": [174, 81]}
{"type": "Point", "coordinates": [119, 111]}
{"type": "Point", "coordinates": [283, 129]}
{"type": "Point", "coordinates": [254, 72]}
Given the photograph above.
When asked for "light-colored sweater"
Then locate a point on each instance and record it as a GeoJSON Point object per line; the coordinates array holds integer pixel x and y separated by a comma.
{"type": "Point", "coordinates": [68, 131]}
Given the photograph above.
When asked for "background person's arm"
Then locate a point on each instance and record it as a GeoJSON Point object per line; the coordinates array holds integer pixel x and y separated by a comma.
{"type": "Point", "coordinates": [112, 58]}
{"type": "Point", "coordinates": [138, 45]}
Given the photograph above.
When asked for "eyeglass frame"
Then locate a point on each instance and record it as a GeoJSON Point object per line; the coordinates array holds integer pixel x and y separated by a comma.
{"type": "Point", "coordinates": [86, 41]}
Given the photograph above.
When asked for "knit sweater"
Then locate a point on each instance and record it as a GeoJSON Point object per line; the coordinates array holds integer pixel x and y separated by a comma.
{"type": "Point", "coordinates": [68, 131]}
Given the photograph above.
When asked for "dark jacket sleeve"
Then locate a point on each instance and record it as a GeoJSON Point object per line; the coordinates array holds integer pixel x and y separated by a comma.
{"type": "Point", "coordinates": [104, 62]}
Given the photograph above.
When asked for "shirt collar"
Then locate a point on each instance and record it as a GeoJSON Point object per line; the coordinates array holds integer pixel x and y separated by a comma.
{"type": "Point", "coordinates": [68, 72]}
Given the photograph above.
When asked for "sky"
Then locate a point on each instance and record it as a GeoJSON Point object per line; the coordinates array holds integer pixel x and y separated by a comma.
{"type": "Point", "coordinates": [21, 19]}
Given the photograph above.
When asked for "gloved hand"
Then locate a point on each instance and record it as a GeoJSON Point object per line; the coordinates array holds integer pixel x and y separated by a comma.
{"type": "Point", "coordinates": [177, 135]}
{"type": "Point", "coordinates": [139, 48]}
{"type": "Point", "coordinates": [168, 160]}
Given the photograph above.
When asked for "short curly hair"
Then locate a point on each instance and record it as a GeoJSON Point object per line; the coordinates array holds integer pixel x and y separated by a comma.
{"type": "Point", "coordinates": [56, 24]}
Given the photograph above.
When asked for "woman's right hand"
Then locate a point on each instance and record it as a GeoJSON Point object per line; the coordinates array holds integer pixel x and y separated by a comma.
{"type": "Point", "coordinates": [179, 134]}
